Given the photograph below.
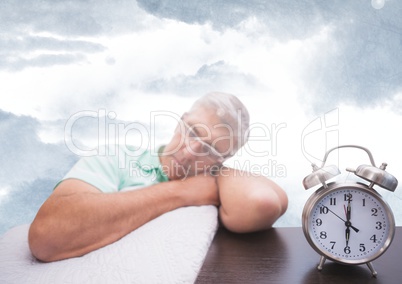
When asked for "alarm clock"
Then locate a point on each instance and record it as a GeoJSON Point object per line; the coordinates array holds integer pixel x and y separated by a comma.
{"type": "Point", "coordinates": [349, 222]}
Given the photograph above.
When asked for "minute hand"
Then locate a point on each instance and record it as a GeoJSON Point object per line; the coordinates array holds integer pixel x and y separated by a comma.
{"type": "Point", "coordinates": [348, 212]}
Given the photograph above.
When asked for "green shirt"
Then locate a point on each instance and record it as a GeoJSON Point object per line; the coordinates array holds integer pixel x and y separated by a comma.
{"type": "Point", "coordinates": [121, 168]}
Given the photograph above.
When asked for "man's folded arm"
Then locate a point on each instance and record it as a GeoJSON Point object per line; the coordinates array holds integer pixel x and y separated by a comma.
{"type": "Point", "coordinates": [78, 218]}
{"type": "Point", "coordinates": [249, 202]}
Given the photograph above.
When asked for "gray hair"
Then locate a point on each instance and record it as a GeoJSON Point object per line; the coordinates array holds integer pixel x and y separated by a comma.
{"type": "Point", "coordinates": [231, 112]}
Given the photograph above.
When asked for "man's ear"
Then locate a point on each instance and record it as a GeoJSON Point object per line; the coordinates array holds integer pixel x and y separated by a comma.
{"type": "Point", "coordinates": [184, 115]}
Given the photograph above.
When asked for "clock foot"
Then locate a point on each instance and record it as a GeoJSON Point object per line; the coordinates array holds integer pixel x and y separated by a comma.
{"type": "Point", "coordinates": [321, 264]}
{"type": "Point", "coordinates": [373, 272]}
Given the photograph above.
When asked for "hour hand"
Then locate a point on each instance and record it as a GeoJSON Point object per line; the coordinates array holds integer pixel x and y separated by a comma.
{"type": "Point", "coordinates": [347, 235]}
{"type": "Point", "coordinates": [348, 209]}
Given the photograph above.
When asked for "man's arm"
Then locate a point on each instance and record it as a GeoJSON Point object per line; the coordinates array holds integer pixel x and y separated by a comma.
{"type": "Point", "coordinates": [77, 218]}
{"type": "Point", "coordinates": [249, 202]}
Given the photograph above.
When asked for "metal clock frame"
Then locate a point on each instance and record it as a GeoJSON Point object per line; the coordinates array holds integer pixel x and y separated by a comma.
{"type": "Point", "coordinates": [370, 173]}
{"type": "Point", "coordinates": [320, 194]}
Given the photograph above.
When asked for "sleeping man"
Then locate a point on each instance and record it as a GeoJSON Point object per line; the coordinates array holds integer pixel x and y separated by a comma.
{"type": "Point", "coordinates": [90, 209]}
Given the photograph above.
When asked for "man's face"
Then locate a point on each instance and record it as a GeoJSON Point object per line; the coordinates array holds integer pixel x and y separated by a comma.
{"type": "Point", "coordinates": [200, 142]}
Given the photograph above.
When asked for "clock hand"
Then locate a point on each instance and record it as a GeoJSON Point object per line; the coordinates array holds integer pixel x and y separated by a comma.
{"type": "Point", "coordinates": [354, 228]}
{"type": "Point", "coordinates": [348, 211]}
{"type": "Point", "coordinates": [347, 234]}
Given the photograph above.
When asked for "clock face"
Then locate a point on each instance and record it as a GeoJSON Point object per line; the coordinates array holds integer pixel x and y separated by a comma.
{"type": "Point", "coordinates": [348, 223]}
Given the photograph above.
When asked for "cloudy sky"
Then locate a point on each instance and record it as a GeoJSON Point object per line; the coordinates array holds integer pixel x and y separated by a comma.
{"type": "Point", "coordinates": [313, 74]}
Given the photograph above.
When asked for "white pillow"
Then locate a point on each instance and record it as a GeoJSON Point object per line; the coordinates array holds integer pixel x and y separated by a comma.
{"type": "Point", "coordinates": [169, 249]}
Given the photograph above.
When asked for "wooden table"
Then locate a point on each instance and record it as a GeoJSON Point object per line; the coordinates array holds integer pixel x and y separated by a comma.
{"type": "Point", "coordinates": [282, 255]}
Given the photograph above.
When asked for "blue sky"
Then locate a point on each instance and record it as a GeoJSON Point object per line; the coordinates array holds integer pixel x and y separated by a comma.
{"type": "Point", "coordinates": [313, 75]}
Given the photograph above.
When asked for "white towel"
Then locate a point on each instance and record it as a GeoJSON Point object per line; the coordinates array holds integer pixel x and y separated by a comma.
{"type": "Point", "coordinates": [169, 249]}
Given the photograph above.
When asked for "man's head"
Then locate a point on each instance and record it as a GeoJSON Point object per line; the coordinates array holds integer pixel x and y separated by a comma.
{"type": "Point", "coordinates": [212, 131]}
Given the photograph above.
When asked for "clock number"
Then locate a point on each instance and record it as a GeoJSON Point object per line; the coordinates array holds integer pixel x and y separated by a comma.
{"type": "Point", "coordinates": [332, 201]}
{"type": "Point", "coordinates": [333, 244]}
{"type": "Point", "coordinates": [324, 210]}
{"type": "Point", "coordinates": [323, 235]}
{"type": "Point", "coordinates": [347, 250]}
{"type": "Point", "coordinates": [374, 212]}
{"type": "Point", "coordinates": [374, 238]}
{"type": "Point", "coordinates": [348, 197]}
{"type": "Point", "coordinates": [364, 202]}
{"type": "Point", "coordinates": [362, 248]}
{"type": "Point", "coordinates": [318, 222]}
{"type": "Point", "coordinates": [379, 226]}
